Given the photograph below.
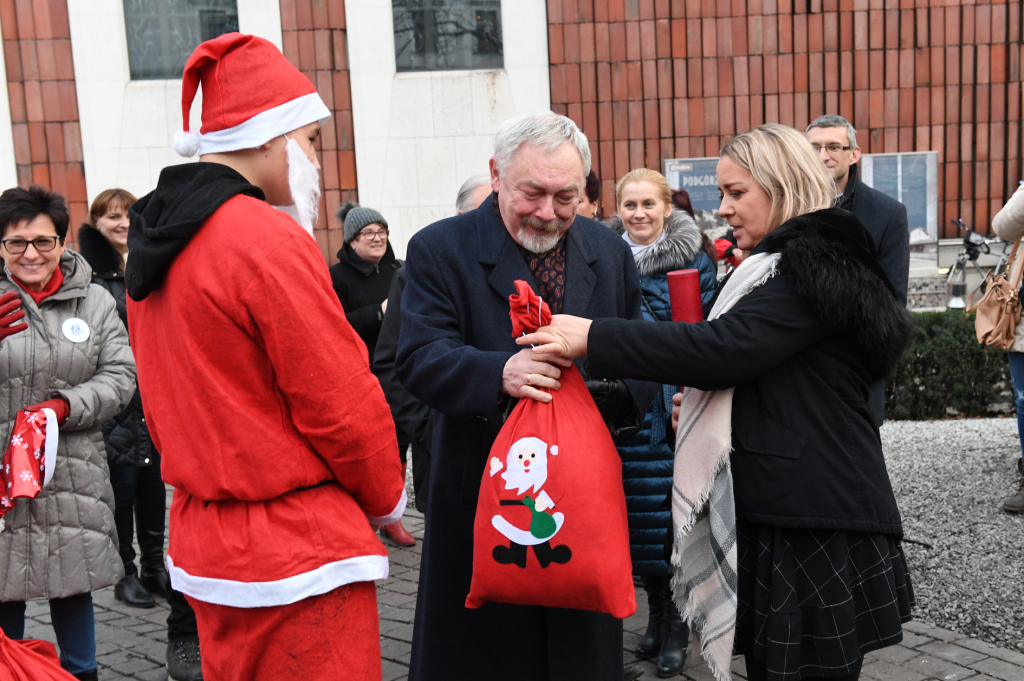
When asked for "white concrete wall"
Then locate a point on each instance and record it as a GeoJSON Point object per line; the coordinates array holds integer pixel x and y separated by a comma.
{"type": "Point", "coordinates": [8, 171]}
{"type": "Point", "coordinates": [127, 126]}
{"type": "Point", "coordinates": [419, 136]}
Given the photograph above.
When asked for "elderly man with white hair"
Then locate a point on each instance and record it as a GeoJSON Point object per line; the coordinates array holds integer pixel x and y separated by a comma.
{"type": "Point", "coordinates": [457, 354]}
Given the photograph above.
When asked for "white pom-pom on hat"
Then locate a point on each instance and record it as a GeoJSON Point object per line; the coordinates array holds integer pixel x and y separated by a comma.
{"type": "Point", "coordinates": [186, 143]}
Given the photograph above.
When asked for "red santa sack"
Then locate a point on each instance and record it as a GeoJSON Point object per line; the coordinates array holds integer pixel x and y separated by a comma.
{"type": "Point", "coordinates": [551, 524]}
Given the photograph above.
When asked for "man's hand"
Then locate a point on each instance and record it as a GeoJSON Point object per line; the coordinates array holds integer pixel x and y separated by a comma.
{"type": "Point", "coordinates": [565, 336]}
{"type": "Point", "coordinates": [677, 401]}
{"type": "Point", "coordinates": [737, 255]}
{"type": "Point", "coordinates": [527, 371]}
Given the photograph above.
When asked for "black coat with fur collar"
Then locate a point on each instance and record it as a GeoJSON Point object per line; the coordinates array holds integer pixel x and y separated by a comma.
{"type": "Point", "coordinates": [802, 352]}
{"type": "Point", "coordinates": [126, 436]}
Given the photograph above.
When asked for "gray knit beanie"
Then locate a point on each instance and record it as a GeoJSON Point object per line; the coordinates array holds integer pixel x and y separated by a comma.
{"type": "Point", "coordinates": [358, 217]}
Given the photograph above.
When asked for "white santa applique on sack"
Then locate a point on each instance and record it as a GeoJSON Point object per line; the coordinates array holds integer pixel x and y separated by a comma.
{"type": "Point", "coordinates": [526, 484]}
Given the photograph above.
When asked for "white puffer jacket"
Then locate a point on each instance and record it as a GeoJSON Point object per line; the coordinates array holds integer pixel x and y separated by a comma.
{"type": "Point", "coordinates": [63, 542]}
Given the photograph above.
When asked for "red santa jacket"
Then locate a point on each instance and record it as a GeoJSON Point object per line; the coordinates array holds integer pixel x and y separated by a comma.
{"type": "Point", "coordinates": [258, 394]}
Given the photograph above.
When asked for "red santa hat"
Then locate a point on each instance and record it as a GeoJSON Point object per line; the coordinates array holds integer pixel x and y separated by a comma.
{"type": "Point", "coordinates": [251, 94]}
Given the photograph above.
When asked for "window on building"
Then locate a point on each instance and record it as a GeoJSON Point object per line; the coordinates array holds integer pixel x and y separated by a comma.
{"type": "Point", "coordinates": [438, 35]}
{"type": "Point", "coordinates": [163, 33]}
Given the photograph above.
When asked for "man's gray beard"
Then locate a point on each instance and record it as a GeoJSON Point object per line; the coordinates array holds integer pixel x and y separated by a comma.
{"type": "Point", "coordinates": [303, 185]}
{"type": "Point", "coordinates": [539, 243]}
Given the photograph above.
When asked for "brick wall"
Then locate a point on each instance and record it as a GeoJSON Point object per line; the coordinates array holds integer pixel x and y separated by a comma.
{"type": "Point", "coordinates": [655, 79]}
{"type": "Point", "coordinates": [44, 102]}
{"type": "Point", "coordinates": [314, 38]}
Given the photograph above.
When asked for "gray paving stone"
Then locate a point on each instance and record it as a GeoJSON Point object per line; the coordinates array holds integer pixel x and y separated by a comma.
{"type": "Point", "coordinates": [885, 671]}
{"type": "Point", "coordinates": [403, 633]}
{"type": "Point", "coordinates": [158, 674]}
{"type": "Point", "coordinates": [1011, 656]}
{"type": "Point", "coordinates": [912, 640]}
{"type": "Point", "coordinates": [893, 654]}
{"type": "Point", "coordinates": [952, 652]}
{"type": "Point", "coordinates": [392, 671]}
{"type": "Point", "coordinates": [936, 667]}
{"type": "Point", "coordinates": [1000, 669]}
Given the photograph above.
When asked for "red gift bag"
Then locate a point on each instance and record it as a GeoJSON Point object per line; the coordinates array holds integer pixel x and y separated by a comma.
{"type": "Point", "coordinates": [28, 462]}
{"type": "Point", "coordinates": [551, 524]}
{"type": "Point", "coordinates": [30, 660]}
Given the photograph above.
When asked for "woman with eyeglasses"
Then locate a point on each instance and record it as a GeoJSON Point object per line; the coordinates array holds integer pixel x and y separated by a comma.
{"type": "Point", "coordinates": [362, 279]}
{"type": "Point", "coordinates": [73, 358]}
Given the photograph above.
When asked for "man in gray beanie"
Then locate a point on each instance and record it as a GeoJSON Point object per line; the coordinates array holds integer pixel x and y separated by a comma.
{"type": "Point", "coordinates": [362, 280]}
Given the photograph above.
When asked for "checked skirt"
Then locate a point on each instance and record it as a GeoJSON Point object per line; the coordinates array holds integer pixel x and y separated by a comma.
{"type": "Point", "coordinates": [812, 602]}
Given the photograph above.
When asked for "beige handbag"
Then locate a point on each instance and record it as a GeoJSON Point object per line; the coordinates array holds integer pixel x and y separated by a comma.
{"type": "Point", "coordinates": [999, 309]}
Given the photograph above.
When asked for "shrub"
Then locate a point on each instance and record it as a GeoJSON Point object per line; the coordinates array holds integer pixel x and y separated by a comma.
{"type": "Point", "coordinates": [945, 371]}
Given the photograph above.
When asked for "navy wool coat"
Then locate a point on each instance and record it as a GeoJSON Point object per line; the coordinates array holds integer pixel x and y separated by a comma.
{"type": "Point", "coordinates": [648, 455]}
{"type": "Point", "coordinates": [456, 337]}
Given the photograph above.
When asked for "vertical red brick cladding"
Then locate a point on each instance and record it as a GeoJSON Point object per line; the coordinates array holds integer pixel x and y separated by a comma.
{"type": "Point", "coordinates": [314, 39]}
{"type": "Point", "coordinates": [44, 101]}
{"type": "Point", "coordinates": [655, 79]}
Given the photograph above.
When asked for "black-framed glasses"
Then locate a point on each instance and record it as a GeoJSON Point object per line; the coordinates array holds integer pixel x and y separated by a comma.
{"type": "Point", "coordinates": [43, 244]}
{"type": "Point", "coordinates": [371, 235]}
{"type": "Point", "coordinates": [832, 149]}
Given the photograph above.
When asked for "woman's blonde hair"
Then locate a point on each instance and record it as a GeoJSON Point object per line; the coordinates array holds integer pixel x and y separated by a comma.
{"type": "Point", "coordinates": [644, 175]}
{"type": "Point", "coordinates": [784, 164]}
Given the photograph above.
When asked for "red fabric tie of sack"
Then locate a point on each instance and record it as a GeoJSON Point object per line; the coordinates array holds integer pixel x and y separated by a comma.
{"type": "Point", "coordinates": [528, 311]}
{"type": "Point", "coordinates": [550, 526]}
{"type": "Point", "coordinates": [29, 460]}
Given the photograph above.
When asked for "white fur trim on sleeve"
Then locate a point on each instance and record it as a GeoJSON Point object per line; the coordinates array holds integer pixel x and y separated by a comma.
{"type": "Point", "coordinates": [394, 516]}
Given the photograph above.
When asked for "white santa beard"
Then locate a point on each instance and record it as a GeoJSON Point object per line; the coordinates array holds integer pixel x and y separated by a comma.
{"type": "Point", "coordinates": [523, 479]}
{"type": "Point", "coordinates": [303, 185]}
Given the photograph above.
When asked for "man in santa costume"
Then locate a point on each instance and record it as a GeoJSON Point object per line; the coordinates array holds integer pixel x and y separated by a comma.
{"type": "Point", "coordinates": [276, 437]}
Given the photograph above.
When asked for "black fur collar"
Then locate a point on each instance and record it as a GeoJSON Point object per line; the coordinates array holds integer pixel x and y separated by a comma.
{"type": "Point", "coordinates": [829, 259]}
{"type": "Point", "coordinates": [102, 256]}
{"type": "Point", "coordinates": [680, 247]}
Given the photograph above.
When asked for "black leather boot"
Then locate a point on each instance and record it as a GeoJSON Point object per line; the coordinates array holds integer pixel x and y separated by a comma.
{"type": "Point", "coordinates": [149, 514]}
{"type": "Point", "coordinates": [87, 676]}
{"type": "Point", "coordinates": [129, 591]}
{"type": "Point", "coordinates": [124, 522]}
{"type": "Point", "coordinates": [672, 657]}
{"type": "Point", "coordinates": [650, 644]}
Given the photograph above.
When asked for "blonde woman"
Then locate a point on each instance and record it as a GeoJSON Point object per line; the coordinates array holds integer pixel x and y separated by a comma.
{"type": "Point", "coordinates": [781, 373]}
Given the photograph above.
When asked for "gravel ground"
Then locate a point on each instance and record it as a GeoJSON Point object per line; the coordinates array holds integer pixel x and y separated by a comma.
{"type": "Point", "coordinates": [950, 479]}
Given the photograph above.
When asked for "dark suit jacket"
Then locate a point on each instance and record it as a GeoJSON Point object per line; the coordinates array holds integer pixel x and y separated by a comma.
{"type": "Point", "coordinates": [456, 337]}
{"type": "Point", "coordinates": [886, 220]}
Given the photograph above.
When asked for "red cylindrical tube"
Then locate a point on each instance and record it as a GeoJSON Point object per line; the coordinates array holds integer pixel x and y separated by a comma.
{"type": "Point", "coordinates": [684, 294]}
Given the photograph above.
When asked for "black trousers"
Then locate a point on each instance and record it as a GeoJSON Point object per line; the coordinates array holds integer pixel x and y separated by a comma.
{"type": "Point", "coordinates": [181, 623]}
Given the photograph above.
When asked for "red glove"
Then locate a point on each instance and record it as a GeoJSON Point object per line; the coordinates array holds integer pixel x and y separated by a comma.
{"type": "Point", "coordinates": [9, 302]}
{"type": "Point", "coordinates": [59, 406]}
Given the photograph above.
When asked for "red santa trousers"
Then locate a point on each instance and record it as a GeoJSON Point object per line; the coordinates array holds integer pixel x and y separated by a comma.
{"type": "Point", "coordinates": [332, 636]}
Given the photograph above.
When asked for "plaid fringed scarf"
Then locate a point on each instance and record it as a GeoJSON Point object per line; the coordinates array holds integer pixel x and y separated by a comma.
{"type": "Point", "coordinates": [703, 508]}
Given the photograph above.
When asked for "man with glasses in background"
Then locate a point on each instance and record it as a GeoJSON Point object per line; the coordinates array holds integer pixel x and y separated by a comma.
{"type": "Point", "coordinates": [835, 140]}
{"type": "Point", "coordinates": [362, 279]}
